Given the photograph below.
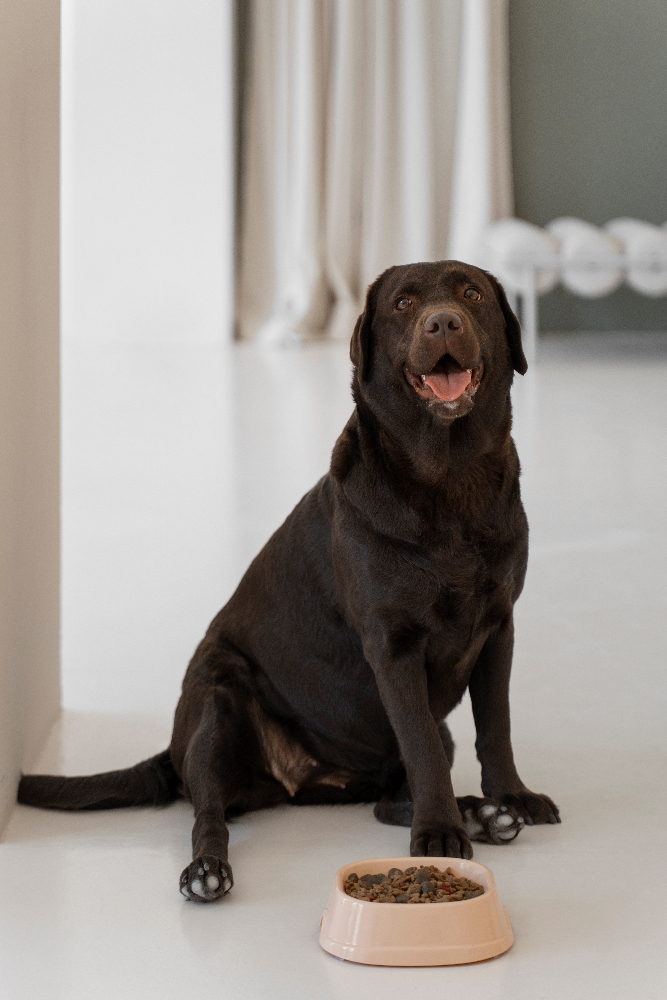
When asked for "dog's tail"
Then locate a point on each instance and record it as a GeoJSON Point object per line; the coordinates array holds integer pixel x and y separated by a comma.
{"type": "Point", "coordinates": [153, 782]}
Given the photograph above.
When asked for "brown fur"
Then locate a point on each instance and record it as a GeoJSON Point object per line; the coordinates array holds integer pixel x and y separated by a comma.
{"type": "Point", "coordinates": [385, 594]}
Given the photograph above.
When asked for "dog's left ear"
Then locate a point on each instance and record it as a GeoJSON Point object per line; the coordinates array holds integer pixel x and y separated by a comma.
{"type": "Point", "coordinates": [512, 328]}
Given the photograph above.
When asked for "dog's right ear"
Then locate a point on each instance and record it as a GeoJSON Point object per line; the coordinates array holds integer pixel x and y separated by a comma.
{"type": "Point", "coordinates": [360, 345]}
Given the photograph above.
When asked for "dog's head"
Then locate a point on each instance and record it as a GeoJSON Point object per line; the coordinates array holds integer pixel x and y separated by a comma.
{"type": "Point", "coordinates": [442, 333]}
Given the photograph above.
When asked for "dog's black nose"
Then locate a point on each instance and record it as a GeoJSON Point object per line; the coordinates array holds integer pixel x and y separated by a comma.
{"type": "Point", "coordinates": [443, 322]}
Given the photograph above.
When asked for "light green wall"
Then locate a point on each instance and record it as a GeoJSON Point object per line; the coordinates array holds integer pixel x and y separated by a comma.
{"type": "Point", "coordinates": [589, 132]}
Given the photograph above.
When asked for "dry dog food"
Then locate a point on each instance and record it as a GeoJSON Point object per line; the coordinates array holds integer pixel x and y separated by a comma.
{"type": "Point", "coordinates": [426, 884]}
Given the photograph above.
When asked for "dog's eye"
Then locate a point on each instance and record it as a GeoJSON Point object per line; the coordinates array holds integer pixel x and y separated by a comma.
{"type": "Point", "coordinates": [403, 302]}
{"type": "Point", "coordinates": [472, 293]}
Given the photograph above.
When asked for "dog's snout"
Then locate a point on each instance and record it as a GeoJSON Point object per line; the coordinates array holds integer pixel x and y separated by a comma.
{"type": "Point", "coordinates": [444, 331]}
{"type": "Point", "coordinates": [443, 322]}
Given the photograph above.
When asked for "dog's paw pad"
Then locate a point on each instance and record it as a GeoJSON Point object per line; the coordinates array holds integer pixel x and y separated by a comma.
{"type": "Point", "coordinates": [490, 822]}
{"type": "Point", "coordinates": [203, 881]}
{"type": "Point", "coordinates": [471, 824]}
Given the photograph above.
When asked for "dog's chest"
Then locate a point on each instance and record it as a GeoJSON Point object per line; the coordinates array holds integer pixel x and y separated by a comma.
{"type": "Point", "coordinates": [472, 589]}
{"type": "Point", "coordinates": [469, 569]}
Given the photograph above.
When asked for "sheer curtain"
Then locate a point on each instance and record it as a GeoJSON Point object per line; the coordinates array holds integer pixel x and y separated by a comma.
{"type": "Point", "coordinates": [364, 122]}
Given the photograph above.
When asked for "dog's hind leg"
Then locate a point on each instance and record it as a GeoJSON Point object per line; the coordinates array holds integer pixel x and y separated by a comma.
{"type": "Point", "coordinates": [484, 819]}
{"type": "Point", "coordinates": [396, 809]}
{"type": "Point", "coordinates": [488, 821]}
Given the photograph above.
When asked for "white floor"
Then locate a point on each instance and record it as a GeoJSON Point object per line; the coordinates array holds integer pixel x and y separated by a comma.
{"type": "Point", "coordinates": [179, 463]}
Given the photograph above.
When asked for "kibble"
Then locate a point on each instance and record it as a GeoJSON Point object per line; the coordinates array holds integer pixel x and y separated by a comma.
{"type": "Point", "coordinates": [426, 884]}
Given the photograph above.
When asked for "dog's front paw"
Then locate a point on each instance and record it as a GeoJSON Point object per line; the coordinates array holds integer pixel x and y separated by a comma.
{"type": "Point", "coordinates": [533, 807]}
{"type": "Point", "coordinates": [205, 879]}
{"type": "Point", "coordinates": [488, 821]}
{"type": "Point", "coordinates": [446, 842]}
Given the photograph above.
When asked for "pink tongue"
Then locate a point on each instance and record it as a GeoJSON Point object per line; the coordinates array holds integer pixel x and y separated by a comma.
{"type": "Point", "coordinates": [449, 386]}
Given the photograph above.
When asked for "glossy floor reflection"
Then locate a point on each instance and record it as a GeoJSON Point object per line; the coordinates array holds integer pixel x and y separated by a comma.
{"type": "Point", "coordinates": [178, 465]}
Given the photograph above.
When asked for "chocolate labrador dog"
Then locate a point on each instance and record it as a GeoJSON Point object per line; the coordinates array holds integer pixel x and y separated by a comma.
{"type": "Point", "coordinates": [386, 593]}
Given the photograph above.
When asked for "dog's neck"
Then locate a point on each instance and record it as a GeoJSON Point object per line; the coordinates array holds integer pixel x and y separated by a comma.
{"type": "Point", "coordinates": [428, 449]}
{"type": "Point", "coordinates": [431, 468]}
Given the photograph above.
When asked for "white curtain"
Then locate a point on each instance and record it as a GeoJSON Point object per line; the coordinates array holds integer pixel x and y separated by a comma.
{"type": "Point", "coordinates": [482, 189]}
{"type": "Point", "coordinates": [352, 122]}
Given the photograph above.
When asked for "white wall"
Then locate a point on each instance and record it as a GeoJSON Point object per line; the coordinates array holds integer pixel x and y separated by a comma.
{"type": "Point", "coordinates": [147, 223]}
{"type": "Point", "coordinates": [147, 170]}
{"type": "Point", "coordinates": [29, 386]}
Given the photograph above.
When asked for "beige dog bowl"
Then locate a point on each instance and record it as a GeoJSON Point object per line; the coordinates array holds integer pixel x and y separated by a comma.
{"type": "Point", "coordinates": [400, 934]}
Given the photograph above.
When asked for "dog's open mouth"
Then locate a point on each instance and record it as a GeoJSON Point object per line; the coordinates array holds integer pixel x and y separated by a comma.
{"type": "Point", "coordinates": [447, 380]}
